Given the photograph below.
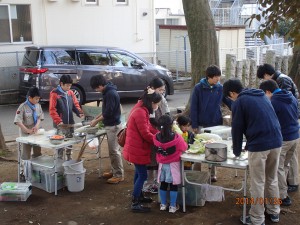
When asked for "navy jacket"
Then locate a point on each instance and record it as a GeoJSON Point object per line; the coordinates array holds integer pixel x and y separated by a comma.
{"type": "Point", "coordinates": [286, 109]}
{"type": "Point", "coordinates": [111, 110]}
{"type": "Point", "coordinates": [253, 115]}
{"type": "Point", "coordinates": [206, 104]}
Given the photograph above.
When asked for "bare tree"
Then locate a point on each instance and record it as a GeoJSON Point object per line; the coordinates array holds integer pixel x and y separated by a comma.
{"type": "Point", "coordinates": [202, 36]}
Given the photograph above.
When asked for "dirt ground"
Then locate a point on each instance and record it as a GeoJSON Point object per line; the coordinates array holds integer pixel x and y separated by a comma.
{"type": "Point", "coordinates": [106, 204]}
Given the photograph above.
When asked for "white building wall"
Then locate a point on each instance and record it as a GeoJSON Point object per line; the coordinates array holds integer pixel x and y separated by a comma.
{"type": "Point", "coordinates": [171, 46]}
{"type": "Point", "coordinates": [64, 22]}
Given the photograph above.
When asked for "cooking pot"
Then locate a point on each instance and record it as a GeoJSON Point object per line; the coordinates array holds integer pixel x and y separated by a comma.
{"type": "Point", "coordinates": [216, 152]}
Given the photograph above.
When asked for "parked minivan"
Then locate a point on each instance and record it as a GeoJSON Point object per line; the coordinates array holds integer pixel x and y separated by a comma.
{"type": "Point", "coordinates": [43, 66]}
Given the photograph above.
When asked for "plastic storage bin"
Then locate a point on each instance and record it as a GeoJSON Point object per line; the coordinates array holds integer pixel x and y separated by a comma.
{"type": "Point", "coordinates": [43, 175]}
{"type": "Point", "coordinates": [193, 192]}
{"type": "Point", "coordinates": [10, 191]}
{"type": "Point", "coordinates": [223, 131]}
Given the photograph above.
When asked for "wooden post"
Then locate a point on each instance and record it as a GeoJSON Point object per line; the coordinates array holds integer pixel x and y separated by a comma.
{"type": "Point", "coordinates": [285, 65]}
{"type": "Point", "coordinates": [270, 57]}
{"type": "Point", "coordinates": [278, 62]}
{"type": "Point", "coordinates": [239, 70]}
{"type": "Point", "coordinates": [230, 66]}
{"type": "Point", "coordinates": [252, 76]}
{"type": "Point", "coordinates": [246, 72]}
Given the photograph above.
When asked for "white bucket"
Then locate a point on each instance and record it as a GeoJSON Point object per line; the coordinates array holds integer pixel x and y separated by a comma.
{"type": "Point", "coordinates": [72, 166]}
{"type": "Point", "coordinates": [75, 181]}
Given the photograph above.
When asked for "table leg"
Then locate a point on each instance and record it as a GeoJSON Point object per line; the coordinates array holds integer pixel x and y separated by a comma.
{"type": "Point", "coordinates": [99, 155]}
{"type": "Point", "coordinates": [55, 171]}
{"type": "Point", "coordinates": [245, 196]}
{"type": "Point", "coordinates": [19, 160]}
{"type": "Point", "coordinates": [183, 187]}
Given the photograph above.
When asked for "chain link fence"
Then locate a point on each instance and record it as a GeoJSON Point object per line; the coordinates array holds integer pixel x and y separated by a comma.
{"type": "Point", "coordinates": [177, 61]}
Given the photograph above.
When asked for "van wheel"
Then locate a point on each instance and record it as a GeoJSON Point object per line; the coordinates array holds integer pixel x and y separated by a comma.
{"type": "Point", "coordinates": [78, 94]}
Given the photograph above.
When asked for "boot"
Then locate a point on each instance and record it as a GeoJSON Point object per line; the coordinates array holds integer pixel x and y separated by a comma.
{"type": "Point", "coordinates": [137, 207]}
{"type": "Point", "coordinates": [144, 199]}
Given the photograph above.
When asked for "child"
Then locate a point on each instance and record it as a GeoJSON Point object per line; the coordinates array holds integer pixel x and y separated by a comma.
{"type": "Point", "coordinates": [28, 117]}
{"type": "Point", "coordinates": [169, 147]}
{"type": "Point", "coordinates": [62, 104]}
{"type": "Point", "coordinates": [184, 123]}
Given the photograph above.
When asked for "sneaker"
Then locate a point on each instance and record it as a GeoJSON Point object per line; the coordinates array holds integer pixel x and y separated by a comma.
{"type": "Point", "coordinates": [173, 209]}
{"type": "Point", "coordinates": [292, 188]}
{"type": "Point", "coordinates": [286, 201]}
{"type": "Point", "coordinates": [213, 179]}
{"type": "Point", "coordinates": [115, 180]}
{"type": "Point", "coordinates": [22, 177]}
{"type": "Point", "coordinates": [248, 220]}
{"type": "Point", "coordinates": [107, 175]}
{"type": "Point", "coordinates": [162, 207]}
{"type": "Point", "coordinates": [153, 189]}
{"type": "Point", "coordinates": [274, 218]}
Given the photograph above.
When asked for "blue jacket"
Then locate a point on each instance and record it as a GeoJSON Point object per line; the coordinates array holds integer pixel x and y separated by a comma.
{"type": "Point", "coordinates": [111, 110]}
{"type": "Point", "coordinates": [286, 109]}
{"type": "Point", "coordinates": [254, 116]}
{"type": "Point", "coordinates": [206, 104]}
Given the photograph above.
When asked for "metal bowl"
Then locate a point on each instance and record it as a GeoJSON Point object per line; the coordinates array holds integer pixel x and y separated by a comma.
{"type": "Point", "coordinates": [79, 135]}
{"type": "Point", "coordinates": [86, 122]}
{"type": "Point", "coordinates": [91, 130]}
{"type": "Point", "coordinates": [56, 139]}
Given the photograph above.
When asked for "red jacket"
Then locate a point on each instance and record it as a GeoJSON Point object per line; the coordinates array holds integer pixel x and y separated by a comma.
{"type": "Point", "coordinates": [139, 136]}
{"type": "Point", "coordinates": [61, 109]}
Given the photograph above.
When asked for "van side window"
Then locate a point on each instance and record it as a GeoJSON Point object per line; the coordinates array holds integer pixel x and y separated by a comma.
{"type": "Point", "coordinates": [122, 60]}
{"type": "Point", "coordinates": [58, 57]}
{"type": "Point", "coordinates": [93, 58]}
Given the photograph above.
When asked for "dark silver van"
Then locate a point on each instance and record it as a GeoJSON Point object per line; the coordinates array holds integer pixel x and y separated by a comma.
{"type": "Point", "coordinates": [42, 67]}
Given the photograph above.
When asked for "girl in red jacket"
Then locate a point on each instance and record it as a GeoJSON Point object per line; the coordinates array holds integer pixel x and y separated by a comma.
{"type": "Point", "coordinates": [137, 148]}
{"type": "Point", "coordinates": [169, 147]}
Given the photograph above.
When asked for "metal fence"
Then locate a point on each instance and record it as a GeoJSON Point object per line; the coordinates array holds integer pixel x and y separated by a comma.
{"type": "Point", "coordinates": [9, 70]}
{"type": "Point", "coordinates": [179, 62]}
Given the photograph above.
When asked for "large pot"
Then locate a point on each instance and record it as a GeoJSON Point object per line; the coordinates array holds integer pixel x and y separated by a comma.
{"type": "Point", "coordinates": [216, 152]}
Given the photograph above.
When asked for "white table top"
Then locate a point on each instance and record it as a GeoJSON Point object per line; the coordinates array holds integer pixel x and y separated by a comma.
{"type": "Point", "coordinates": [43, 139]}
{"type": "Point", "coordinates": [231, 162]}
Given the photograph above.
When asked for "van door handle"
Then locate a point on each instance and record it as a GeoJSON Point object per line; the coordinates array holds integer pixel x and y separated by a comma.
{"type": "Point", "coordinates": [118, 71]}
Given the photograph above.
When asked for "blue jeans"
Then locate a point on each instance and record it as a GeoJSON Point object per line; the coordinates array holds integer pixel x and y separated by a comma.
{"type": "Point", "coordinates": [140, 176]}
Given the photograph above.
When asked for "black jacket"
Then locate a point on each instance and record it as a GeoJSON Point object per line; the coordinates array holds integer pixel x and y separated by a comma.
{"type": "Point", "coordinates": [111, 110]}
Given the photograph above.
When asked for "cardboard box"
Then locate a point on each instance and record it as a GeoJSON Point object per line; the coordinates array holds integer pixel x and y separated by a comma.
{"type": "Point", "coordinates": [11, 191]}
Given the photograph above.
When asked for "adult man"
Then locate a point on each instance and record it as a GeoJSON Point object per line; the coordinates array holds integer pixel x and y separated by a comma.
{"type": "Point", "coordinates": [206, 103]}
{"type": "Point", "coordinates": [110, 116]}
{"type": "Point", "coordinates": [254, 117]}
{"type": "Point", "coordinates": [286, 109]}
{"type": "Point", "coordinates": [267, 72]}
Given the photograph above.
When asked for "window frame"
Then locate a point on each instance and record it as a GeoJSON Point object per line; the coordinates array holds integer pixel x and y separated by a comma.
{"type": "Point", "coordinates": [121, 3]}
{"type": "Point", "coordinates": [11, 35]}
{"type": "Point", "coordinates": [95, 2]}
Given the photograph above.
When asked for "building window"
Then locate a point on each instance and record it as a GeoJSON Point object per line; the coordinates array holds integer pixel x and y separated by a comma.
{"type": "Point", "coordinates": [122, 2]}
{"type": "Point", "coordinates": [91, 2]}
{"type": "Point", "coordinates": [15, 23]}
